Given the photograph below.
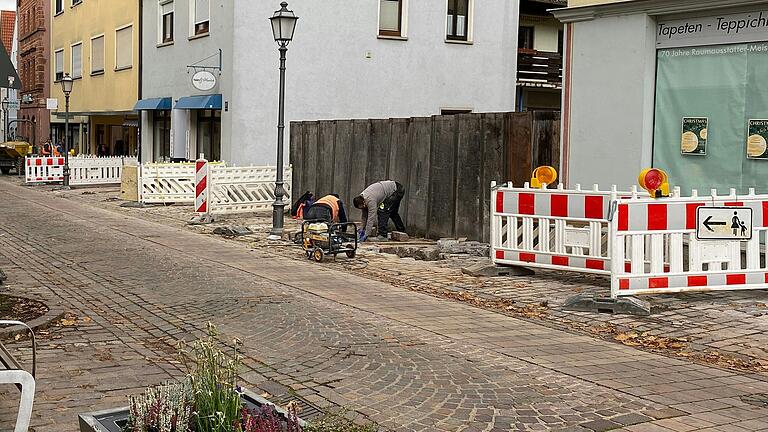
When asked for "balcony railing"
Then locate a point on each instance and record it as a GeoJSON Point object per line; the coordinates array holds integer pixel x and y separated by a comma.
{"type": "Point", "coordinates": [539, 69]}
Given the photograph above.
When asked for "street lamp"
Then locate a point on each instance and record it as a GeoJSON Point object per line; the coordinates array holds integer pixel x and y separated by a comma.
{"type": "Point", "coordinates": [66, 87]}
{"type": "Point", "coordinates": [283, 25]}
{"type": "Point", "coordinates": [5, 119]}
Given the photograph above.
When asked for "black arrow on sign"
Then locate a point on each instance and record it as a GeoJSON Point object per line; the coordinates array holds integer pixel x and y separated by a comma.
{"type": "Point", "coordinates": [708, 223]}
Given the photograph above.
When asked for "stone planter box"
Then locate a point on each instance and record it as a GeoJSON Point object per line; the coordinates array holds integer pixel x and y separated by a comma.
{"type": "Point", "coordinates": [115, 419]}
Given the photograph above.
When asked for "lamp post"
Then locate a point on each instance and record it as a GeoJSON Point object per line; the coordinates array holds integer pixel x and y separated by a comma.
{"type": "Point", "coordinates": [66, 87]}
{"type": "Point", "coordinates": [5, 119]}
{"type": "Point", "coordinates": [283, 25]}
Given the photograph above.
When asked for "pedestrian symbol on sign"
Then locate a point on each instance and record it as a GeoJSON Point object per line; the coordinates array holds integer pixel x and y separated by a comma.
{"type": "Point", "coordinates": [724, 223]}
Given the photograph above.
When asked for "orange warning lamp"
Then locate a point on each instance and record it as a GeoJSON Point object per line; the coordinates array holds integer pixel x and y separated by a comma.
{"type": "Point", "coordinates": [543, 175]}
{"type": "Point", "coordinates": [655, 181]}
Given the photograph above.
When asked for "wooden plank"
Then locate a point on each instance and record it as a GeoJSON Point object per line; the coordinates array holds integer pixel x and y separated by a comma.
{"type": "Point", "coordinates": [399, 159]}
{"type": "Point", "coordinates": [492, 165]}
{"type": "Point", "coordinates": [296, 156]}
{"type": "Point", "coordinates": [342, 159]}
{"type": "Point", "coordinates": [419, 180]}
{"type": "Point", "coordinates": [518, 147]}
{"type": "Point", "coordinates": [359, 167]}
{"type": "Point", "coordinates": [442, 177]}
{"type": "Point", "coordinates": [546, 137]}
{"type": "Point", "coordinates": [326, 153]}
{"type": "Point", "coordinates": [310, 154]}
{"type": "Point", "coordinates": [468, 188]}
{"type": "Point", "coordinates": [378, 150]}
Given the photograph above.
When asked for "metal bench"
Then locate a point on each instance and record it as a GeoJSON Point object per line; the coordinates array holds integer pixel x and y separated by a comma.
{"type": "Point", "coordinates": [11, 372]}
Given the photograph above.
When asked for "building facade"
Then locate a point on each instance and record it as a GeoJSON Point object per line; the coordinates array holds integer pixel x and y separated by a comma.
{"type": "Point", "coordinates": [540, 56]}
{"type": "Point", "coordinates": [675, 85]}
{"type": "Point", "coordinates": [396, 58]}
{"type": "Point", "coordinates": [97, 43]}
{"type": "Point", "coordinates": [33, 61]}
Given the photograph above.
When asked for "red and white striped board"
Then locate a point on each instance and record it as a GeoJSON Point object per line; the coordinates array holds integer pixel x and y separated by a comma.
{"type": "Point", "coordinates": [201, 186]}
{"type": "Point", "coordinates": [44, 169]}
{"type": "Point", "coordinates": [537, 227]}
{"type": "Point", "coordinates": [656, 238]}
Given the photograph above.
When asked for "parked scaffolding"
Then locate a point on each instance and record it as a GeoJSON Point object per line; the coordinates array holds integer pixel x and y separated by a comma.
{"type": "Point", "coordinates": [647, 245]}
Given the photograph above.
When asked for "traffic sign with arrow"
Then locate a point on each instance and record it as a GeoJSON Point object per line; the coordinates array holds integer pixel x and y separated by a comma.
{"type": "Point", "coordinates": [724, 223]}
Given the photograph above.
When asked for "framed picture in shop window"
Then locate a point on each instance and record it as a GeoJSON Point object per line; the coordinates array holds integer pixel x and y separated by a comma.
{"type": "Point", "coordinates": [693, 138]}
{"type": "Point", "coordinates": [757, 137]}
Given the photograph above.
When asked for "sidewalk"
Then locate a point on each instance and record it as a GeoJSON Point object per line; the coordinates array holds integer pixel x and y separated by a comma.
{"type": "Point", "coordinates": [406, 360]}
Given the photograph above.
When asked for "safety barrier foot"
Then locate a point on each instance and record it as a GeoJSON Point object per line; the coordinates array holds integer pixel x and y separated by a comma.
{"type": "Point", "coordinates": [203, 219]}
{"type": "Point", "coordinates": [619, 306]}
{"type": "Point", "coordinates": [491, 270]}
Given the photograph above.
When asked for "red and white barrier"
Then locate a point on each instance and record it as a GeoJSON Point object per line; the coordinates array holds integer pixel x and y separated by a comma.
{"type": "Point", "coordinates": [656, 249]}
{"type": "Point", "coordinates": [44, 169]}
{"type": "Point", "coordinates": [551, 228]}
{"type": "Point", "coordinates": [202, 173]}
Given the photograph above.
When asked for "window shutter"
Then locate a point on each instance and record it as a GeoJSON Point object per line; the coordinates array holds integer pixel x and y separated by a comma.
{"type": "Point", "coordinates": [97, 54]}
{"type": "Point", "coordinates": [59, 65]}
{"type": "Point", "coordinates": [389, 15]}
{"type": "Point", "coordinates": [201, 11]}
{"type": "Point", "coordinates": [77, 61]}
{"type": "Point", "coordinates": [167, 8]}
{"type": "Point", "coordinates": [124, 48]}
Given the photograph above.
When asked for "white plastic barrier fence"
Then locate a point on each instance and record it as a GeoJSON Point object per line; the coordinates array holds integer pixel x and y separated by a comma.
{"type": "Point", "coordinates": [161, 183]}
{"type": "Point", "coordinates": [551, 228]}
{"type": "Point", "coordinates": [670, 245]}
{"type": "Point", "coordinates": [244, 189]}
{"type": "Point", "coordinates": [84, 170]}
{"type": "Point", "coordinates": [97, 170]}
{"type": "Point", "coordinates": [44, 169]}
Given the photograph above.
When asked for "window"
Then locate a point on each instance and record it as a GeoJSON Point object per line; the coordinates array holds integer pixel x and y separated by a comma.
{"type": "Point", "coordinates": [391, 17]}
{"type": "Point", "coordinates": [525, 37]}
{"type": "Point", "coordinates": [59, 7]}
{"type": "Point", "coordinates": [166, 22]}
{"type": "Point", "coordinates": [59, 59]}
{"type": "Point", "coordinates": [76, 2]}
{"type": "Point", "coordinates": [97, 55]}
{"type": "Point", "coordinates": [77, 60]}
{"type": "Point", "coordinates": [458, 20]}
{"type": "Point", "coordinates": [200, 22]}
{"type": "Point", "coordinates": [124, 48]}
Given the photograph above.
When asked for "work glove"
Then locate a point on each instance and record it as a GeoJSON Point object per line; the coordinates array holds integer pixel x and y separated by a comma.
{"type": "Point", "coordinates": [361, 237]}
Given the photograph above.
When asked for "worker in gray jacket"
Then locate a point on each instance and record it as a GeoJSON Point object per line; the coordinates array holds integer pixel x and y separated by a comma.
{"type": "Point", "coordinates": [380, 199]}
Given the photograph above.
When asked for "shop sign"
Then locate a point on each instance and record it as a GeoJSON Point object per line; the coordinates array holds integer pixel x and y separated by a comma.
{"type": "Point", "coordinates": [204, 80]}
{"type": "Point", "coordinates": [713, 30]}
{"type": "Point", "coordinates": [693, 140]}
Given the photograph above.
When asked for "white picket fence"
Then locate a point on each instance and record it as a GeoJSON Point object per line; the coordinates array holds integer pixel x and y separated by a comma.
{"type": "Point", "coordinates": [231, 189]}
{"type": "Point", "coordinates": [84, 170]}
{"type": "Point", "coordinates": [646, 245]}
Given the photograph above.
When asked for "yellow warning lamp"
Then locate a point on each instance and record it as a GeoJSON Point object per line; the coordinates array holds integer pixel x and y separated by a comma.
{"type": "Point", "coordinates": [655, 181]}
{"type": "Point", "coordinates": [543, 175]}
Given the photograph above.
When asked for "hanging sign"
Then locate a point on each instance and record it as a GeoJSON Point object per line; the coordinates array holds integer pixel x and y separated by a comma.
{"type": "Point", "coordinates": [204, 80]}
{"type": "Point", "coordinates": [693, 140]}
{"type": "Point", "coordinates": [724, 223]}
{"type": "Point", "coordinates": [757, 139]}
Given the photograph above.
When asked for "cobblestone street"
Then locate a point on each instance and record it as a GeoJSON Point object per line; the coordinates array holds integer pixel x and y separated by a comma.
{"type": "Point", "coordinates": [137, 281]}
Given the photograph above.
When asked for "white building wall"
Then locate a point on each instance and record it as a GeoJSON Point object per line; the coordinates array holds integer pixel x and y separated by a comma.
{"type": "Point", "coordinates": [610, 136]}
{"type": "Point", "coordinates": [338, 69]}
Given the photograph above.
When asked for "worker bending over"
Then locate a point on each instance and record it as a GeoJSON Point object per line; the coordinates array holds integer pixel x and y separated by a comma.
{"type": "Point", "coordinates": [328, 209]}
{"type": "Point", "coordinates": [380, 199]}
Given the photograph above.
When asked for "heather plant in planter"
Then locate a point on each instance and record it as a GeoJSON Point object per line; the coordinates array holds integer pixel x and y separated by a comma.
{"type": "Point", "coordinates": [166, 408]}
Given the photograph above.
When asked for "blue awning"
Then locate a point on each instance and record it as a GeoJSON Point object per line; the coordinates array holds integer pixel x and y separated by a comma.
{"type": "Point", "coordinates": [153, 104]}
{"type": "Point", "coordinates": [199, 102]}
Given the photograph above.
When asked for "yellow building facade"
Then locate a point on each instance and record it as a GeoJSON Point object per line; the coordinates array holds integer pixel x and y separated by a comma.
{"type": "Point", "coordinates": [97, 43]}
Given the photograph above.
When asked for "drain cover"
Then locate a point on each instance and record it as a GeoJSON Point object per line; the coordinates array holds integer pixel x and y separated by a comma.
{"type": "Point", "coordinates": [282, 395]}
{"type": "Point", "coordinates": [759, 400]}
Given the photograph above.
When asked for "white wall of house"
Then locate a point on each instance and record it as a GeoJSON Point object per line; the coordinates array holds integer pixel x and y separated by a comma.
{"type": "Point", "coordinates": [339, 69]}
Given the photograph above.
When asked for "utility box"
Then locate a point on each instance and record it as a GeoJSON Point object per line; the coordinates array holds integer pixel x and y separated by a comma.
{"type": "Point", "coordinates": [129, 183]}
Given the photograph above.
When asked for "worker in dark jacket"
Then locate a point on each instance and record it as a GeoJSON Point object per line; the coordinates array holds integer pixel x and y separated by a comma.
{"type": "Point", "coordinates": [328, 208]}
{"type": "Point", "coordinates": [380, 201]}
